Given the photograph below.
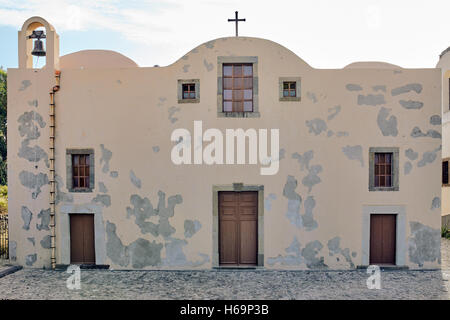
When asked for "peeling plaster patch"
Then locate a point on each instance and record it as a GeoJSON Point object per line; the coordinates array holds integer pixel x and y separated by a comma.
{"type": "Point", "coordinates": [143, 210]}
{"type": "Point", "coordinates": [436, 203]}
{"type": "Point", "coordinates": [353, 87]}
{"type": "Point", "coordinates": [33, 181]}
{"type": "Point", "coordinates": [60, 195]}
{"type": "Point", "coordinates": [316, 126]}
{"type": "Point", "coordinates": [210, 44]}
{"type": "Point", "coordinates": [106, 157]}
{"type": "Point", "coordinates": [268, 201]}
{"type": "Point", "coordinates": [191, 227]}
{"type": "Point", "coordinates": [135, 180]}
{"type": "Point", "coordinates": [407, 168]}
{"type": "Point", "coordinates": [174, 252]}
{"type": "Point", "coordinates": [335, 248]}
{"type": "Point", "coordinates": [417, 87]}
{"type": "Point", "coordinates": [304, 159]}
{"type": "Point", "coordinates": [411, 155]}
{"type": "Point", "coordinates": [115, 250]}
{"type": "Point", "coordinates": [145, 253]}
{"type": "Point", "coordinates": [102, 188]}
{"type": "Point", "coordinates": [26, 217]}
{"type": "Point", "coordinates": [281, 154]}
{"type": "Point", "coordinates": [334, 112]}
{"type": "Point", "coordinates": [417, 133]}
{"type": "Point", "coordinates": [309, 253]}
{"type": "Point", "coordinates": [294, 202]}
{"type": "Point", "coordinates": [172, 111]}
{"type": "Point", "coordinates": [308, 219]}
{"type": "Point", "coordinates": [155, 149]}
{"type": "Point", "coordinates": [114, 174]}
{"type": "Point", "coordinates": [424, 244]}
{"type": "Point", "coordinates": [342, 134]}
{"type": "Point", "coordinates": [25, 84]}
{"type": "Point", "coordinates": [46, 242]}
{"type": "Point", "coordinates": [410, 104]}
{"type": "Point", "coordinates": [186, 68]}
{"type": "Point", "coordinates": [388, 126]}
{"type": "Point", "coordinates": [104, 199]}
{"type": "Point", "coordinates": [428, 157]}
{"type": "Point", "coordinates": [13, 250]}
{"type": "Point", "coordinates": [330, 133]}
{"type": "Point", "coordinates": [292, 258]}
{"type": "Point", "coordinates": [209, 66]}
{"type": "Point", "coordinates": [161, 101]}
{"type": "Point", "coordinates": [379, 88]}
{"type": "Point", "coordinates": [311, 96]}
{"type": "Point", "coordinates": [371, 99]}
{"type": "Point", "coordinates": [175, 255]}
{"type": "Point", "coordinates": [33, 103]}
{"type": "Point", "coordinates": [354, 153]}
{"type": "Point", "coordinates": [435, 120]}
{"type": "Point", "coordinates": [312, 178]}
{"type": "Point", "coordinates": [44, 215]}
{"type": "Point", "coordinates": [32, 241]}
{"type": "Point", "coordinates": [29, 123]}
{"type": "Point", "coordinates": [30, 259]}
{"type": "Point", "coordinates": [32, 154]}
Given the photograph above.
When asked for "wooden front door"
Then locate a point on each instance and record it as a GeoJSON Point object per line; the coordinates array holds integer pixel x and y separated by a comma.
{"type": "Point", "coordinates": [238, 228]}
{"type": "Point", "coordinates": [82, 243]}
{"type": "Point", "coordinates": [382, 238]}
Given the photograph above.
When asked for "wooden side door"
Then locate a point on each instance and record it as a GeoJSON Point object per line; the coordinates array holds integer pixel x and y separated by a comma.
{"type": "Point", "coordinates": [382, 238]}
{"type": "Point", "coordinates": [82, 240]}
{"type": "Point", "coordinates": [238, 228]}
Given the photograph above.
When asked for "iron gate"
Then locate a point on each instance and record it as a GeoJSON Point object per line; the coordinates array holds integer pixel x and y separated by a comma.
{"type": "Point", "coordinates": [4, 252]}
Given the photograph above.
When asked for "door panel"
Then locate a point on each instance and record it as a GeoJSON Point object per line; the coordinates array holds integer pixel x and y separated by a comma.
{"type": "Point", "coordinates": [238, 228]}
{"type": "Point", "coordinates": [382, 238]}
{"type": "Point", "coordinates": [82, 239]}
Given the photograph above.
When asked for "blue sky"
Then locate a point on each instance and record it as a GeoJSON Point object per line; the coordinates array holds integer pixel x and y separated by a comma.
{"type": "Point", "coordinates": [325, 33]}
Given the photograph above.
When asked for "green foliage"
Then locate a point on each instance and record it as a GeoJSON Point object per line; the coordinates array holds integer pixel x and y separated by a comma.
{"type": "Point", "coordinates": [445, 232]}
{"type": "Point", "coordinates": [3, 90]}
{"type": "Point", "coordinates": [3, 200]}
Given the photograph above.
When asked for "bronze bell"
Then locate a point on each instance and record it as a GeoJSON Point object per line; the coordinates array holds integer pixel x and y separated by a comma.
{"type": "Point", "coordinates": [38, 49]}
{"type": "Point", "coordinates": [38, 45]}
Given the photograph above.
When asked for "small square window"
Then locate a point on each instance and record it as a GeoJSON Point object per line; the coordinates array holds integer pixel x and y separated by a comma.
{"type": "Point", "coordinates": [383, 169]}
{"type": "Point", "coordinates": [188, 91]}
{"type": "Point", "coordinates": [445, 177]}
{"type": "Point", "coordinates": [289, 89]}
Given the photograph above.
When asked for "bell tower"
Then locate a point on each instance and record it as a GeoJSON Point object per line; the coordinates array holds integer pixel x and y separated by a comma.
{"type": "Point", "coordinates": [28, 35]}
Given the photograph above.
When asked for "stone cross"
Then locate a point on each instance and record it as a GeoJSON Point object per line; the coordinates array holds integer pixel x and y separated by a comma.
{"type": "Point", "coordinates": [236, 20]}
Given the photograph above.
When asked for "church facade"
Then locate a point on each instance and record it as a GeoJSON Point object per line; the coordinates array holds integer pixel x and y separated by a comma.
{"type": "Point", "coordinates": [239, 154]}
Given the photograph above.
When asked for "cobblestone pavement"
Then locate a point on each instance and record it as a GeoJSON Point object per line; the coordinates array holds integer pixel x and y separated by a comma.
{"type": "Point", "coordinates": [104, 284]}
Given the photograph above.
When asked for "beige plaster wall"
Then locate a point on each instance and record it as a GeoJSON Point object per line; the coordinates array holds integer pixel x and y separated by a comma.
{"type": "Point", "coordinates": [133, 111]}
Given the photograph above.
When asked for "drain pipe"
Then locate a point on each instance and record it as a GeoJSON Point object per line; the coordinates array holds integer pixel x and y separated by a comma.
{"type": "Point", "coordinates": [52, 169]}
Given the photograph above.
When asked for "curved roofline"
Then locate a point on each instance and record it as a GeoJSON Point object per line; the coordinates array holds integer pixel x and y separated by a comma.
{"type": "Point", "coordinates": [255, 38]}
{"type": "Point", "coordinates": [371, 65]}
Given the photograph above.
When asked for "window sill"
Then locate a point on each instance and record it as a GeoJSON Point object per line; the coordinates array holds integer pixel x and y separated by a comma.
{"type": "Point", "coordinates": [290, 99]}
{"type": "Point", "coordinates": [189, 101]}
{"type": "Point", "coordinates": [245, 114]}
{"type": "Point", "coordinates": [81, 190]}
{"type": "Point", "coordinates": [384, 188]}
